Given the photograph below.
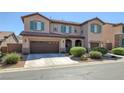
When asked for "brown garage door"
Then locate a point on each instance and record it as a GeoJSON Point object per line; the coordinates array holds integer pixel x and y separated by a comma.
{"type": "Point", "coordinates": [44, 47]}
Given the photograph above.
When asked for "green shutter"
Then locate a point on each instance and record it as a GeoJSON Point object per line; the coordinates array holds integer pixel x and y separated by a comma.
{"type": "Point", "coordinates": [99, 28]}
{"type": "Point", "coordinates": [92, 27]}
{"type": "Point", "coordinates": [123, 42]}
{"type": "Point", "coordinates": [123, 30]}
{"type": "Point", "coordinates": [32, 25]}
{"type": "Point", "coordinates": [42, 26]}
{"type": "Point", "coordinates": [70, 29]}
{"type": "Point", "coordinates": [35, 25]}
{"type": "Point", "coordinates": [63, 28]}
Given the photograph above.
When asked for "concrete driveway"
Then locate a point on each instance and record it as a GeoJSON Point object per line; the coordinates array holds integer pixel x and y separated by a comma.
{"type": "Point", "coordinates": [42, 60]}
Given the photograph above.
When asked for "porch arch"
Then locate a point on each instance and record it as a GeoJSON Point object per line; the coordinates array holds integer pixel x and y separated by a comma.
{"type": "Point", "coordinates": [68, 44]}
{"type": "Point", "coordinates": [78, 43]}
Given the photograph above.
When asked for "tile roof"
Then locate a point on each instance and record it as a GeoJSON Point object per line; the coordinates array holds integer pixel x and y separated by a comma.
{"type": "Point", "coordinates": [3, 35]}
{"type": "Point", "coordinates": [64, 22]}
{"type": "Point", "coordinates": [26, 33]}
{"type": "Point", "coordinates": [70, 22]}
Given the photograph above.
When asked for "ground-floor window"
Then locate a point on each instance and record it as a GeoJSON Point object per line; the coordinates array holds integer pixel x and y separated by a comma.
{"type": "Point", "coordinates": [123, 42]}
{"type": "Point", "coordinates": [94, 44]}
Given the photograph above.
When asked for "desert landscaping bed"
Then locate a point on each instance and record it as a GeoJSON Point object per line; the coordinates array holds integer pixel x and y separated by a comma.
{"type": "Point", "coordinates": [105, 58]}
{"type": "Point", "coordinates": [19, 64]}
{"type": "Point", "coordinates": [97, 54]}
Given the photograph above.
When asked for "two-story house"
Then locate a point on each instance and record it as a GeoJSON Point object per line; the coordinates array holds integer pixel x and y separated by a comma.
{"type": "Point", "coordinates": [44, 35]}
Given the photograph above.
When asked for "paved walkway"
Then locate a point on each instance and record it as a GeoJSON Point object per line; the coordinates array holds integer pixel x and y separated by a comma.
{"type": "Point", "coordinates": [39, 60]}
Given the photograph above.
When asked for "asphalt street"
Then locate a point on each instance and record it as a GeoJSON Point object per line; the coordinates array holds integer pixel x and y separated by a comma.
{"type": "Point", "coordinates": [109, 71]}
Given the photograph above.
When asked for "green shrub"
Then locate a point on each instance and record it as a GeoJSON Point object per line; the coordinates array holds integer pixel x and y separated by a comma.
{"type": "Point", "coordinates": [77, 51]}
{"type": "Point", "coordinates": [118, 51]}
{"type": "Point", "coordinates": [95, 55]}
{"type": "Point", "coordinates": [11, 58]}
{"type": "Point", "coordinates": [83, 58]}
{"type": "Point", "coordinates": [101, 49]}
{"type": "Point", "coordinates": [0, 54]}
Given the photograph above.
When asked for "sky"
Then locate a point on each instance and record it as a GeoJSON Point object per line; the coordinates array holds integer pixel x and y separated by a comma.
{"type": "Point", "coordinates": [11, 21]}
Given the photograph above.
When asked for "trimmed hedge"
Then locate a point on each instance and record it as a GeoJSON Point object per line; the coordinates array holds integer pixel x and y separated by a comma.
{"type": "Point", "coordinates": [95, 55]}
{"type": "Point", "coordinates": [77, 51]}
{"type": "Point", "coordinates": [0, 54]}
{"type": "Point", "coordinates": [118, 51]}
{"type": "Point", "coordinates": [11, 58]}
{"type": "Point", "coordinates": [101, 49]}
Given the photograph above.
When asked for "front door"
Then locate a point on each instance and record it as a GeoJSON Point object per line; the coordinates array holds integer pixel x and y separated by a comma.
{"type": "Point", "coordinates": [68, 45]}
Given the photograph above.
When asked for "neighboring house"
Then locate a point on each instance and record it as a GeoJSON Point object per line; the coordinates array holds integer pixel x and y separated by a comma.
{"type": "Point", "coordinates": [44, 35]}
{"type": "Point", "coordinates": [7, 37]}
{"type": "Point", "coordinates": [20, 41]}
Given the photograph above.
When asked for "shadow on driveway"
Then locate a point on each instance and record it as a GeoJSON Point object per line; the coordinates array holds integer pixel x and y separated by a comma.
{"type": "Point", "coordinates": [39, 56]}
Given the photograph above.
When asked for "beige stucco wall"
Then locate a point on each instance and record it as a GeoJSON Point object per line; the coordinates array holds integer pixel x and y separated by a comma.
{"type": "Point", "coordinates": [48, 29]}
{"type": "Point", "coordinates": [118, 29]}
{"type": "Point", "coordinates": [62, 41]}
{"type": "Point", "coordinates": [27, 39]}
{"type": "Point", "coordinates": [78, 28]}
{"type": "Point", "coordinates": [48, 25]}
{"type": "Point", "coordinates": [36, 18]}
{"type": "Point", "coordinates": [106, 36]}
{"type": "Point", "coordinates": [84, 28]}
{"type": "Point", "coordinates": [94, 37]}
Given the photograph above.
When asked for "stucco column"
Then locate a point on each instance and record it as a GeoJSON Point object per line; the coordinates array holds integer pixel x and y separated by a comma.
{"type": "Point", "coordinates": [73, 43]}
{"type": "Point", "coordinates": [82, 43]}
{"type": "Point", "coordinates": [89, 45]}
{"type": "Point", "coordinates": [62, 45]}
{"type": "Point", "coordinates": [26, 46]}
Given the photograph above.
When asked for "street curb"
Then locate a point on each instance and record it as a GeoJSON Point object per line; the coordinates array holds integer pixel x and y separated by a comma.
{"type": "Point", "coordinates": [55, 67]}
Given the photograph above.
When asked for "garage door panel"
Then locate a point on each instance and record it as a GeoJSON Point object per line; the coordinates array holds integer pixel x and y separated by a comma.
{"type": "Point", "coordinates": [44, 46]}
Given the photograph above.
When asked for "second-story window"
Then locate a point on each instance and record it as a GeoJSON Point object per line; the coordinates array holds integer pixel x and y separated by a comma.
{"type": "Point", "coordinates": [55, 28]}
{"type": "Point", "coordinates": [123, 29]}
{"type": "Point", "coordinates": [66, 29]}
{"type": "Point", "coordinates": [82, 31]}
{"type": "Point", "coordinates": [36, 26]}
{"type": "Point", "coordinates": [75, 30]}
{"type": "Point", "coordinates": [95, 28]}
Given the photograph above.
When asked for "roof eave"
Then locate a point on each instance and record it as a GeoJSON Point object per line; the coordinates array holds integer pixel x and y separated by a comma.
{"type": "Point", "coordinates": [22, 17]}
